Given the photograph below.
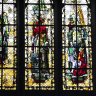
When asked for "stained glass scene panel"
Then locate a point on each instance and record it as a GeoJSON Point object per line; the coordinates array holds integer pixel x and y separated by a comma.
{"type": "Point", "coordinates": [8, 48]}
{"type": "Point", "coordinates": [77, 64]}
{"type": "Point", "coordinates": [39, 45]}
{"type": "Point", "coordinates": [76, 48]}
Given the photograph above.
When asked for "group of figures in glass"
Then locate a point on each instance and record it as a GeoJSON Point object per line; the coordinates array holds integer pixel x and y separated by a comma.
{"type": "Point", "coordinates": [77, 57]}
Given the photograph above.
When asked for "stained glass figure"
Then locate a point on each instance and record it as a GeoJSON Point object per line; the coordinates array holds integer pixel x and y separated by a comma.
{"type": "Point", "coordinates": [4, 39]}
{"type": "Point", "coordinates": [43, 51]}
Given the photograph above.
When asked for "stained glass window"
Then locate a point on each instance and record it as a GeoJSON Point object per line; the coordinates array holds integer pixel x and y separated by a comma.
{"type": "Point", "coordinates": [39, 45]}
{"type": "Point", "coordinates": [8, 45]}
{"type": "Point", "coordinates": [76, 45]}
